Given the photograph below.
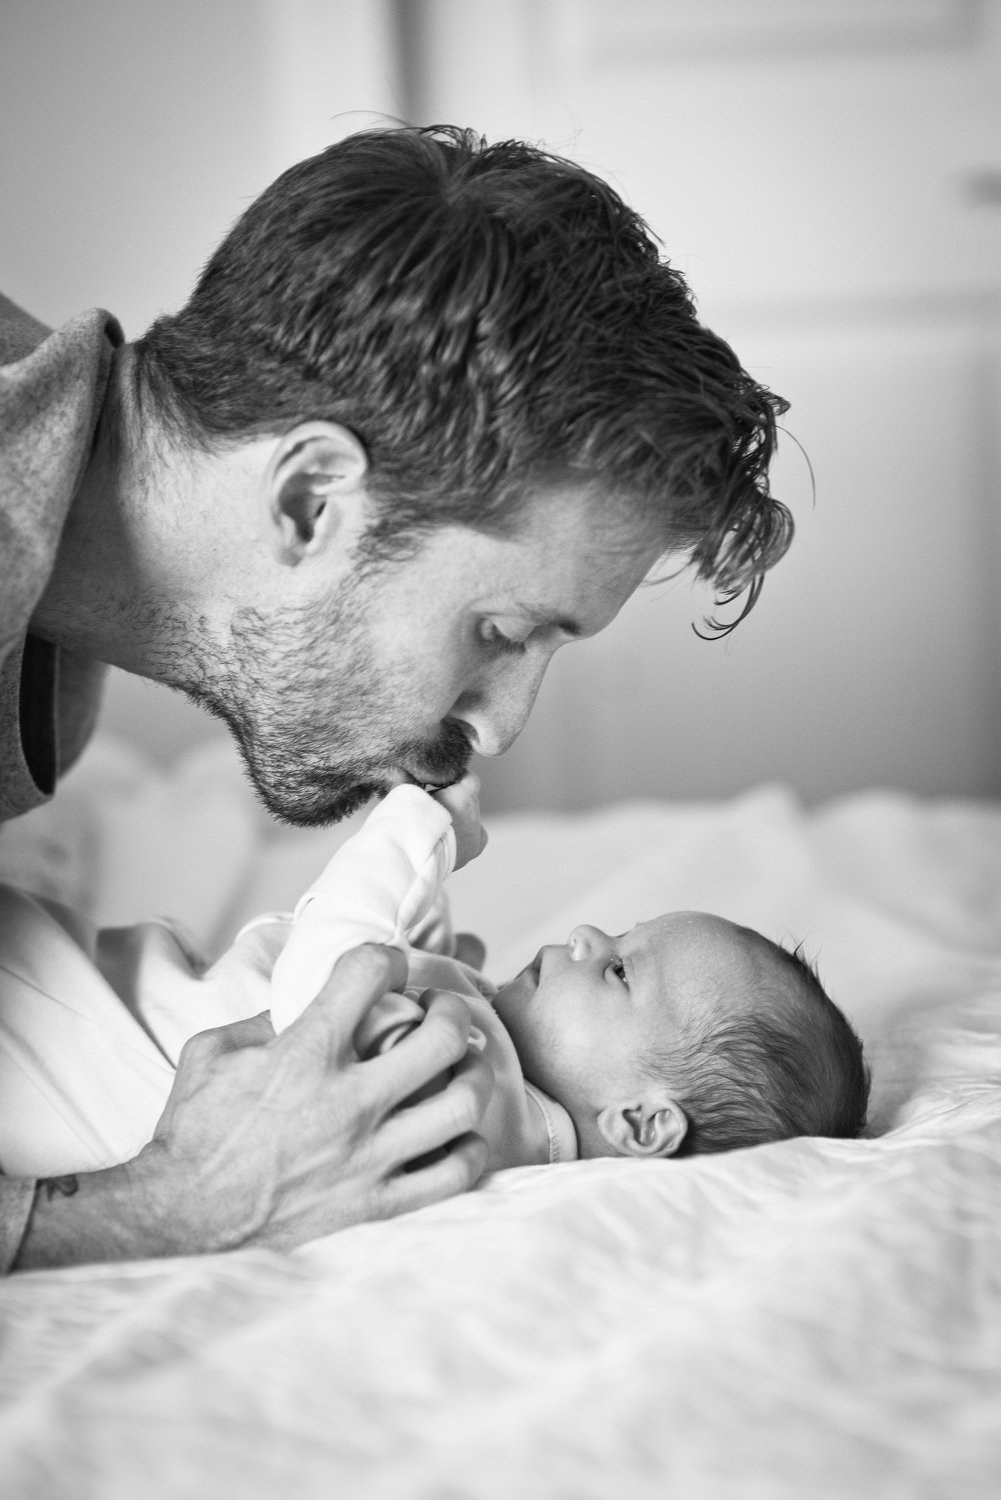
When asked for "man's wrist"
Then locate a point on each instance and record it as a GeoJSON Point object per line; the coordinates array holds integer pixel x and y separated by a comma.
{"type": "Point", "coordinates": [92, 1217]}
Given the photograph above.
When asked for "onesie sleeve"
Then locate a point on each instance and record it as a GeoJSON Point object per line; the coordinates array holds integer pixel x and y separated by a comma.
{"type": "Point", "coordinates": [380, 883]}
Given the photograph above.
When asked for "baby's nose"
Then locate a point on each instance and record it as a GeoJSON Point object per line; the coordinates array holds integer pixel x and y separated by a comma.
{"type": "Point", "coordinates": [588, 942]}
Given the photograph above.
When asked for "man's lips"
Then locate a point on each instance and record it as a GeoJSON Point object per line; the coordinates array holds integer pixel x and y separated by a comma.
{"type": "Point", "coordinates": [399, 776]}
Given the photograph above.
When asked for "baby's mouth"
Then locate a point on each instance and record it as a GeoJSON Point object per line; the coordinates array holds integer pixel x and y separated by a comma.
{"type": "Point", "coordinates": [530, 972]}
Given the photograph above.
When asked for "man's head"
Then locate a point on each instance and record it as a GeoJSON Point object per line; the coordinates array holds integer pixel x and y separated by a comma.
{"type": "Point", "coordinates": [426, 335]}
{"type": "Point", "coordinates": [686, 1034]}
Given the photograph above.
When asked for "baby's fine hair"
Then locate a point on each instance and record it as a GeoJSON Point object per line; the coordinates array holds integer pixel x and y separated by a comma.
{"type": "Point", "coordinates": [788, 1064]}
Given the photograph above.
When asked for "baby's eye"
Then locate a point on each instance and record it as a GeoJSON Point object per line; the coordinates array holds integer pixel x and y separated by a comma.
{"type": "Point", "coordinates": [618, 968]}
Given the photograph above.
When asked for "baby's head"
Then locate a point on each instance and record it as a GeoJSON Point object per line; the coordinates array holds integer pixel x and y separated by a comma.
{"type": "Point", "coordinates": [686, 1034]}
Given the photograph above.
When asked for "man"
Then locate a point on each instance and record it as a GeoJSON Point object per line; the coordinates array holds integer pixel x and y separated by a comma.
{"type": "Point", "coordinates": [434, 408]}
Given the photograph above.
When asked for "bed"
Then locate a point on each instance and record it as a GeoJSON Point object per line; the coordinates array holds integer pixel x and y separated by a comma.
{"type": "Point", "coordinates": [809, 1319]}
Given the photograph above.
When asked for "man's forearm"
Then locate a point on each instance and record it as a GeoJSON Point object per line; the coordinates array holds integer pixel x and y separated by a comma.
{"type": "Point", "coordinates": [88, 1217]}
{"type": "Point", "coordinates": [16, 1197]}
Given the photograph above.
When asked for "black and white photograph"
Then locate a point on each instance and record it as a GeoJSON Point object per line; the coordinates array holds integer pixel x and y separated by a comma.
{"type": "Point", "coordinates": [500, 749]}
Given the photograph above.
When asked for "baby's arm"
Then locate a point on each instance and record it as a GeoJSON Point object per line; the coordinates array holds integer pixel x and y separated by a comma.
{"type": "Point", "coordinates": [434, 932]}
{"type": "Point", "coordinates": [380, 883]}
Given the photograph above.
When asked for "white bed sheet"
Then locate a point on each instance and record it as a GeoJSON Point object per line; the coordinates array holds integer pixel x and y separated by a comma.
{"type": "Point", "coordinates": [812, 1319]}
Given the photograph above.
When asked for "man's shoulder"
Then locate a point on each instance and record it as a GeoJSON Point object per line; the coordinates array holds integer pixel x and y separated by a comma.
{"type": "Point", "coordinates": [53, 386]}
{"type": "Point", "coordinates": [20, 333]}
{"type": "Point", "coordinates": [52, 389]}
{"type": "Point", "coordinates": [26, 342]}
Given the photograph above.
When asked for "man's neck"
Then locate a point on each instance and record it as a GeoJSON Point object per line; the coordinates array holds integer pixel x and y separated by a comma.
{"type": "Point", "coordinates": [137, 549]}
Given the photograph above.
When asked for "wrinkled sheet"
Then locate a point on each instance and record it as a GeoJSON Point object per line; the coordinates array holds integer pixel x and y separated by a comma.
{"type": "Point", "coordinates": [810, 1319]}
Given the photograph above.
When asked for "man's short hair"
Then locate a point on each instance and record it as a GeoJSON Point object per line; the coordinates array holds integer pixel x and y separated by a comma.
{"type": "Point", "coordinates": [485, 318]}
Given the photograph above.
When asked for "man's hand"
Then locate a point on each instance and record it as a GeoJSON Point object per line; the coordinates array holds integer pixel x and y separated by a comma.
{"type": "Point", "coordinates": [462, 800]}
{"type": "Point", "coordinates": [274, 1141]}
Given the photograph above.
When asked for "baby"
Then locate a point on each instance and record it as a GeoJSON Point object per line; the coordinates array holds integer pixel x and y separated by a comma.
{"type": "Point", "coordinates": [686, 1034]}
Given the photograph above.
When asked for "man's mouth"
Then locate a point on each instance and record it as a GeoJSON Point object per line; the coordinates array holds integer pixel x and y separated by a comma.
{"type": "Point", "coordinates": [432, 763]}
{"type": "Point", "coordinates": [400, 776]}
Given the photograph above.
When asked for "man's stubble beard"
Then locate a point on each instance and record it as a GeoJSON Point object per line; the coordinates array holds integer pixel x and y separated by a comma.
{"type": "Point", "coordinates": [319, 729]}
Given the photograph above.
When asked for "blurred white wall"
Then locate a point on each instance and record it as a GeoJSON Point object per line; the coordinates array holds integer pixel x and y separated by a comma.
{"type": "Point", "coordinates": [828, 173]}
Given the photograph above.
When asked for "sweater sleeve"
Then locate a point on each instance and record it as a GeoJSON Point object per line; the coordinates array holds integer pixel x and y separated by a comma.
{"type": "Point", "coordinates": [378, 885]}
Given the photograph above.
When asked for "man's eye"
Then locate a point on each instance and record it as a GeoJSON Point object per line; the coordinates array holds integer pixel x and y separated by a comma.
{"type": "Point", "coordinates": [492, 635]}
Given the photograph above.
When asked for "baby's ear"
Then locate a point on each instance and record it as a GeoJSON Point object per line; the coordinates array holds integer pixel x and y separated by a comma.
{"type": "Point", "coordinates": [654, 1126]}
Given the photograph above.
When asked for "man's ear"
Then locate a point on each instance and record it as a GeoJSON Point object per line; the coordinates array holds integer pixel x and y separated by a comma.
{"type": "Point", "coordinates": [653, 1126]}
{"type": "Point", "coordinates": [314, 487]}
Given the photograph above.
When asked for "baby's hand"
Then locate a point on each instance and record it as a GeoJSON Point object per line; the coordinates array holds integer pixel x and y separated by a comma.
{"type": "Point", "coordinates": [463, 802]}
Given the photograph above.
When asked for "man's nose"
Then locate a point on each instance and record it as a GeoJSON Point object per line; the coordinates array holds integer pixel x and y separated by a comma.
{"type": "Point", "coordinates": [589, 942]}
{"type": "Point", "coordinates": [494, 712]}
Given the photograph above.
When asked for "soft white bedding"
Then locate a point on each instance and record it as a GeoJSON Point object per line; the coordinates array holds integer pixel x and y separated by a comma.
{"type": "Point", "coordinates": [805, 1320]}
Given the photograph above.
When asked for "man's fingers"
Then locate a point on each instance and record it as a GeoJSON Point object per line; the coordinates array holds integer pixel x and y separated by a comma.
{"type": "Point", "coordinates": [439, 1043]}
{"type": "Point", "coordinates": [360, 978]}
{"type": "Point", "coordinates": [439, 1118]}
{"type": "Point", "coordinates": [455, 1171]}
{"type": "Point", "coordinates": [208, 1045]}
